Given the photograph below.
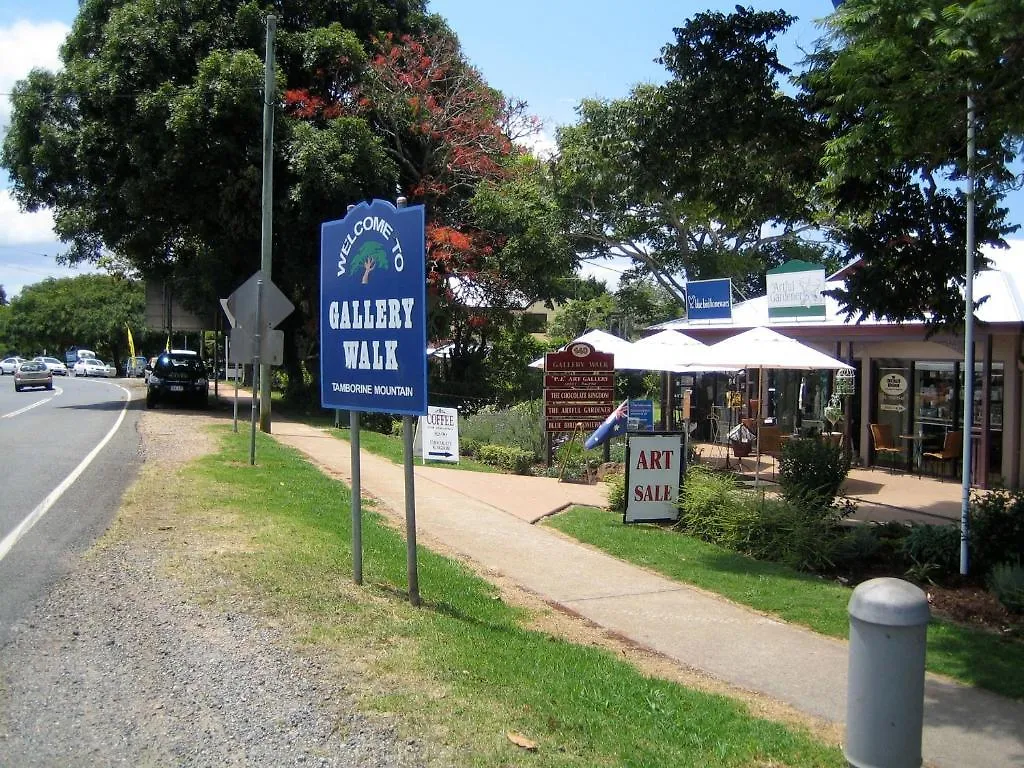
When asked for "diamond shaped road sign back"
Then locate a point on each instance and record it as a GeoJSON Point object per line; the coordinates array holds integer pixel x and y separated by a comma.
{"type": "Point", "coordinates": [242, 305]}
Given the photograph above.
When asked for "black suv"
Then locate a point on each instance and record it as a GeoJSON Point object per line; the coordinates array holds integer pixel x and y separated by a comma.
{"type": "Point", "coordinates": [178, 375]}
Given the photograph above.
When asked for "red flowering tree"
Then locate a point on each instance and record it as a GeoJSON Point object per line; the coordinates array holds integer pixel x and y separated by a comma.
{"type": "Point", "coordinates": [493, 239]}
{"type": "Point", "coordinates": [453, 140]}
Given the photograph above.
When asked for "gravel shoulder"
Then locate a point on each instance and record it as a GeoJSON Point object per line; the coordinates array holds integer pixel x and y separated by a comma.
{"type": "Point", "coordinates": [123, 666]}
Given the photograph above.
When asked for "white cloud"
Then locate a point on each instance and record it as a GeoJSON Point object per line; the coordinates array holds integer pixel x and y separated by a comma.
{"type": "Point", "coordinates": [541, 144]}
{"type": "Point", "coordinates": [26, 45]}
{"type": "Point", "coordinates": [17, 228]}
{"type": "Point", "coordinates": [607, 270]}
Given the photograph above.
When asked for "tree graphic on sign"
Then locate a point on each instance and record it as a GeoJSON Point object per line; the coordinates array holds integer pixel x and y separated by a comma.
{"type": "Point", "coordinates": [370, 256]}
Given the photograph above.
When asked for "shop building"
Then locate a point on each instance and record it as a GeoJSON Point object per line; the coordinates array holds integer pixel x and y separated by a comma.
{"type": "Point", "coordinates": [907, 382]}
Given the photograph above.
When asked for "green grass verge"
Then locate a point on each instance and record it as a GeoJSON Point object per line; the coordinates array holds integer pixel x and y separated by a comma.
{"type": "Point", "coordinates": [386, 446]}
{"type": "Point", "coordinates": [972, 656]}
{"type": "Point", "coordinates": [390, 447]}
{"type": "Point", "coordinates": [462, 668]}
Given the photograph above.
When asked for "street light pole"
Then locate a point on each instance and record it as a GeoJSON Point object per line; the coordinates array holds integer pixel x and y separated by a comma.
{"type": "Point", "coordinates": [965, 476]}
{"type": "Point", "coordinates": [267, 230]}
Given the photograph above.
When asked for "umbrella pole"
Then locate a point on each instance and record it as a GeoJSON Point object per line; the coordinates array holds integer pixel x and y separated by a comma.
{"type": "Point", "coordinates": [757, 465]}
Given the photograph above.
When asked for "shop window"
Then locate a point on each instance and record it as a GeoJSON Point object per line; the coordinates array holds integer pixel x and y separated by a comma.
{"type": "Point", "coordinates": [934, 393]}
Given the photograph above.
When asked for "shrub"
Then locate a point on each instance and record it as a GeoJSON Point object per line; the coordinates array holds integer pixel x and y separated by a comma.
{"type": "Point", "coordinates": [858, 546]}
{"type": "Point", "coordinates": [377, 422]}
{"type": "Point", "coordinates": [996, 529]}
{"type": "Point", "coordinates": [1007, 583]}
{"type": "Point", "coordinates": [572, 460]}
{"type": "Point", "coordinates": [811, 471]}
{"type": "Point", "coordinates": [705, 499]}
{"type": "Point", "coordinates": [795, 535]}
{"type": "Point", "coordinates": [931, 552]}
{"type": "Point", "coordinates": [616, 492]}
{"type": "Point", "coordinates": [517, 427]}
{"type": "Point", "coordinates": [468, 447]}
{"type": "Point", "coordinates": [506, 458]}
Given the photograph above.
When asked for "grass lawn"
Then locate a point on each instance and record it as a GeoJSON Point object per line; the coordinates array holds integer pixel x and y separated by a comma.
{"type": "Point", "coordinates": [462, 670]}
{"type": "Point", "coordinates": [973, 656]}
{"type": "Point", "coordinates": [390, 447]}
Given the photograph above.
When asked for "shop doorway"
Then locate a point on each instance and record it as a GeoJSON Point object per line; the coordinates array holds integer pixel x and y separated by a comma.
{"type": "Point", "coordinates": [893, 396]}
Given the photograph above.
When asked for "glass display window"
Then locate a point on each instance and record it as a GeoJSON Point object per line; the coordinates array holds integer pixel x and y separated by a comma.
{"type": "Point", "coordinates": [934, 400]}
{"type": "Point", "coordinates": [995, 403]}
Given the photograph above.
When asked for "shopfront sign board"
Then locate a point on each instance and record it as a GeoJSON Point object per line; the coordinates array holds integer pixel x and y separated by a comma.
{"type": "Point", "coordinates": [796, 289]}
{"type": "Point", "coordinates": [373, 321]}
{"type": "Point", "coordinates": [709, 299]}
{"type": "Point", "coordinates": [654, 474]}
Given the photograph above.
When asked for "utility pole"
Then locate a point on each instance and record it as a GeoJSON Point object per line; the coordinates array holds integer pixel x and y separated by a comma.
{"type": "Point", "coordinates": [965, 467]}
{"type": "Point", "coordinates": [266, 242]}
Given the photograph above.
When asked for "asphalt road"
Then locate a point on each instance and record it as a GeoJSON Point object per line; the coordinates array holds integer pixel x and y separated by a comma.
{"type": "Point", "coordinates": [67, 456]}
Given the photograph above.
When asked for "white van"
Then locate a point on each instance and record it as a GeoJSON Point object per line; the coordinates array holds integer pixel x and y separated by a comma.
{"type": "Point", "coordinates": [74, 355]}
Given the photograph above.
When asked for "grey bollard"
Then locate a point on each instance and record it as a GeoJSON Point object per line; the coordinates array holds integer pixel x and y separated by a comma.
{"type": "Point", "coordinates": [885, 689]}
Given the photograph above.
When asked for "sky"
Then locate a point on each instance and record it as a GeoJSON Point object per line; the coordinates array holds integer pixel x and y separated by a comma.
{"type": "Point", "coordinates": [553, 54]}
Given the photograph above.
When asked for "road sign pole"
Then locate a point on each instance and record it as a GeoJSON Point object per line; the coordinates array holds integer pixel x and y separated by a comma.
{"type": "Point", "coordinates": [234, 408]}
{"type": "Point", "coordinates": [257, 373]}
{"type": "Point", "coordinates": [357, 512]}
{"type": "Point", "coordinates": [408, 427]}
{"type": "Point", "coordinates": [408, 430]}
{"type": "Point", "coordinates": [268, 202]}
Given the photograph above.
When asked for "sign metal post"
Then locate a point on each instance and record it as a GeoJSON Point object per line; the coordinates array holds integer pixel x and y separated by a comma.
{"type": "Point", "coordinates": [255, 368]}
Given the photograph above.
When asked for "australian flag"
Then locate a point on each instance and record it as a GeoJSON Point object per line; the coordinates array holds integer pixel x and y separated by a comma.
{"type": "Point", "coordinates": [614, 425]}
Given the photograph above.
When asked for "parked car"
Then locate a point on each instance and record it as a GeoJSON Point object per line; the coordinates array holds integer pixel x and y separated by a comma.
{"type": "Point", "coordinates": [90, 366]}
{"type": "Point", "coordinates": [32, 373]}
{"type": "Point", "coordinates": [56, 367]}
{"type": "Point", "coordinates": [178, 375]}
{"type": "Point", "coordinates": [134, 366]}
{"type": "Point", "coordinates": [10, 364]}
{"type": "Point", "coordinates": [109, 370]}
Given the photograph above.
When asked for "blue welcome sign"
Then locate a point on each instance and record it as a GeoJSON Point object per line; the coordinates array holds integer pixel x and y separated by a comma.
{"type": "Point", "coordinates": [373, 318]}
{"type": "Point", "coordinates": [709, 299]}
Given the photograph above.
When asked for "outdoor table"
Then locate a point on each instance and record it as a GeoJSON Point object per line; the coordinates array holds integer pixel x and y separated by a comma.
{"type": "Point", "coordinates": [917, 442]}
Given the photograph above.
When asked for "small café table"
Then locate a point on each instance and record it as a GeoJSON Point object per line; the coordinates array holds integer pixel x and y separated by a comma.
{"type": "Point", "coordinates": [917, 442]}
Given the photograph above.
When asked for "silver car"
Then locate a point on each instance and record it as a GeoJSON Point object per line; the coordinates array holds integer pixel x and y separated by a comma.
{"type": "Point", "coordinates": [10, 364]}
{"type": "Point", "coordinates": [32, 373]}
{"type": "Point", "coordinates": [59, 368]}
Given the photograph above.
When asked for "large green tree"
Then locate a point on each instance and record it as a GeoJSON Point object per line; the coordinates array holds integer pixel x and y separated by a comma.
{"type": "Point", "coordinates": [495, 239]}
{"type": "Point", "coordinates": [89, 310]}
{"type": "Point", "coordinates": [148, 142]}
{"type": "Point", "coordinates": [148, 145]}
{"type": "Point", "coordinates": [891, 81]}
{"type": "Point", "coordinates": [707, 175]}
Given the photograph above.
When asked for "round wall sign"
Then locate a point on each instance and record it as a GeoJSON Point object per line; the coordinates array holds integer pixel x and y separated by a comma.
{"type": "Point", "coordinates": [893, 384]}
{"type": "Point", "coordinates": [580, 350]}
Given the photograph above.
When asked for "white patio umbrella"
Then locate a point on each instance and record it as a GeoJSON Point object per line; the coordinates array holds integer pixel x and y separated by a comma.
{"type": "Point", "coordinates": [672, 340]}
{"type": "Point", "coordinates": [676, 358]}
{"type": "Point", "coordinates": [763, 348]}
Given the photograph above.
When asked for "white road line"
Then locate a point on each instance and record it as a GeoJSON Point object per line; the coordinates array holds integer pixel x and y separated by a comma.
{"type": "Point", "coordinates": [56, 391]}
{"type": "Point", "coordinates": [44, 506]}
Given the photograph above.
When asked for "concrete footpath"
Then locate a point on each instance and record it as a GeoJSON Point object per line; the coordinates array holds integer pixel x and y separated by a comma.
{"type": "Point", "coordinates": [489, 519]}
